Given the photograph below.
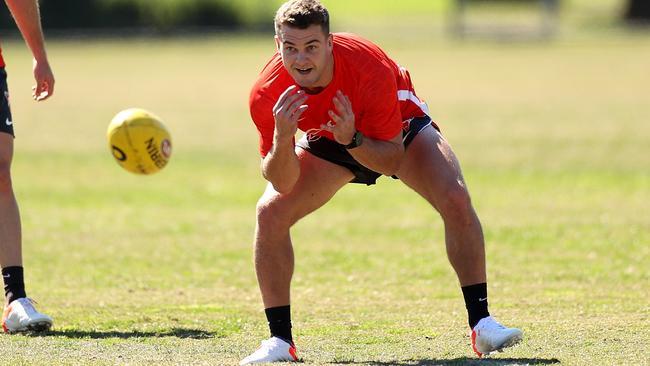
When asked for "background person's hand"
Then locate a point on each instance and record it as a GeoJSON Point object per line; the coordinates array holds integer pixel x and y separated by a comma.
{"type": "Point", "coordinates": [44, 77]}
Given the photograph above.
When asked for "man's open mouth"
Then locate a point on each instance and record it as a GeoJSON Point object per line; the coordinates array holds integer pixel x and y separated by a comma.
{"type": "Point", "coordinates": [303, 71]}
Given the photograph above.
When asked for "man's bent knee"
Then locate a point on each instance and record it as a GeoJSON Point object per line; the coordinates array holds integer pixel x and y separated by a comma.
{"type": "Point", "coordinates": [271, 215]}
{"type": "Point", "coordinates": [456, 203]}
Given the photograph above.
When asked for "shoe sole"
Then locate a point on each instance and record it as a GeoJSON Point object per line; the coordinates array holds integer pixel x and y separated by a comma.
{"type": "Point", "coordinates": [38, 327]}
{"type": "Point", "coordinates": [509, 343]}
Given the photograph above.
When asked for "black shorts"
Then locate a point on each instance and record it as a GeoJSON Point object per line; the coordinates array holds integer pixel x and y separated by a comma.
{"type": "Point", "coordinates": [334, 152]}
{"type": "Point", "coordinates": [6, 123]}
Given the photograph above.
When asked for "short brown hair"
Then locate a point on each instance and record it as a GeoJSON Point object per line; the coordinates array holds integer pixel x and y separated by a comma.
{"type": "Point", "coordinates": [302, 14]}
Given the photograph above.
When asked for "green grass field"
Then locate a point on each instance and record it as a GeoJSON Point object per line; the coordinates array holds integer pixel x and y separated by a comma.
{"type": "Point", "coordinates": [553, 139]}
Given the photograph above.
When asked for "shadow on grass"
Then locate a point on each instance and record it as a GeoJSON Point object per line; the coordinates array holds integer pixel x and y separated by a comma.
{"type": "Point", "coordinates": [458, 361]}
{"type": "Point", "coordinates": [95, 334]}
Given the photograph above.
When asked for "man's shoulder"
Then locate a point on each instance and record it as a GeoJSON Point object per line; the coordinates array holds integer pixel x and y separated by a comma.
{"type": "Point", "coordinates": [269, 82]}
{"type": "Point", "coordinates": [353, 44]}
{"type": "Point", "coordinates": [260, 101]}
{"type": "Point", "coordinates": [361, 54]}
{"type": "Point", "coordinates": [351, 39]}
{"type": "Point", "coordinates": [365, 68]}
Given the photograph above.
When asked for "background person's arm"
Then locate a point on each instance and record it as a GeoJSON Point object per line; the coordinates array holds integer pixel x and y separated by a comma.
{"type": "Point", "coordinates": [28, 20]}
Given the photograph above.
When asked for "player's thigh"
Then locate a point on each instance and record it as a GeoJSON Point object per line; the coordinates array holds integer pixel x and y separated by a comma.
{"type": "Point", "coordinates": [431, 168]}
{"type": "Point", "coordinates": [318, 182]}
{"type": "Point", "coordinates": [6, 150]}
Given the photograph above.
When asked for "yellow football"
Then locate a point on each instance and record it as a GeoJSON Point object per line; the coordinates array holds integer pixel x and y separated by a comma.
{"type": "Point", "coordinates": [139, 141]}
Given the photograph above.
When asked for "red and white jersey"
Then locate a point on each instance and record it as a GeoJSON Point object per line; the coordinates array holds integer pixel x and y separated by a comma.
{"type": "Point", "coordinates": [380, 91]}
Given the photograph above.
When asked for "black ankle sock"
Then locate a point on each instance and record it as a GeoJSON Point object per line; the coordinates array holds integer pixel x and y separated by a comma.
{"type": "Point", "coordinates": [14, 283]}
{"type": "Point", "coordinates": [280, 322]}
{"type": "Point", "coordinates": [476, 302]}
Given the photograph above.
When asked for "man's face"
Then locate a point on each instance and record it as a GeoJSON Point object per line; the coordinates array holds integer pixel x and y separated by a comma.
{"type": "Point", "coordinates": [306, 54]}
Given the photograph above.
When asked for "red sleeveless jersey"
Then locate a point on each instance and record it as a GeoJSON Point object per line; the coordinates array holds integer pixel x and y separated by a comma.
{"type": "Point", "coordinates": [380, 91]}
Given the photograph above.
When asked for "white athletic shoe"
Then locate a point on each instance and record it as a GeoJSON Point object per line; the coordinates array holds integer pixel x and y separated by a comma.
{"type": "Point", "coordinates": [20, 316]}
{"type": "Point", "coordinates": [489, 336]}
{"type": "Point", "coordinates": [273, 349]}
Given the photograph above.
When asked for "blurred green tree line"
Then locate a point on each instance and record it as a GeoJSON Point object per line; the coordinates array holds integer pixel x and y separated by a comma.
{"type": "Point", "coordinates": [157, 15]}
{"type": "Point", "coordinates": [168, 16]}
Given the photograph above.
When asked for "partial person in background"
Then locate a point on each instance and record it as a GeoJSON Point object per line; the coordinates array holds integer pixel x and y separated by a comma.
{"type": "Point", "coordinates": [19, 312]}
{"type": "Point", "coordinates": [362, 119]}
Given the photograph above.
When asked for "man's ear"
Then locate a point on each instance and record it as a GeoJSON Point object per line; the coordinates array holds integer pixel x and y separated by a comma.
{"type": "Point", "coordinates": [277, 42]}
{"type": "Point", "coordinates": [330, 41]}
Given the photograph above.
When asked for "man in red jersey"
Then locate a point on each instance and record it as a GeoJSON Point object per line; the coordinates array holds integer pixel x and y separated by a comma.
{"type": "Point", "coordinates": [362, 119]}
{"type": "Point", "coordinates": [19, 313]}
